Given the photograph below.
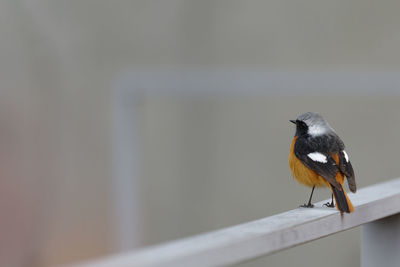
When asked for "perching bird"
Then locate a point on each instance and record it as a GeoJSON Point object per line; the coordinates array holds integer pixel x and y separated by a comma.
{"type": "Point", "coordinates": [317, 158]}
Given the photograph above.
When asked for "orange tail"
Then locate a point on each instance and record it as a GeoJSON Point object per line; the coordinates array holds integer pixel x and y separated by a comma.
{"type": "Point", "coordinates": [343, 202]}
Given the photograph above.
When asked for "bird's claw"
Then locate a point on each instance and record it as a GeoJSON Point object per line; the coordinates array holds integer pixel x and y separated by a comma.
{"type": "Point", "coordinates": [329, 204]}
{"type": "Point", "coordinates": [309, 205]}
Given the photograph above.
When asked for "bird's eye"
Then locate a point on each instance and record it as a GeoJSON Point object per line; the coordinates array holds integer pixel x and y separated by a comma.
{"type": "Point", "coordinates": [303, 125]}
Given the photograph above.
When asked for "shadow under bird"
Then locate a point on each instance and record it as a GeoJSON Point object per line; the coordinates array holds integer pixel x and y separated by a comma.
{"type": "Point", "coordinates": [317, 157]}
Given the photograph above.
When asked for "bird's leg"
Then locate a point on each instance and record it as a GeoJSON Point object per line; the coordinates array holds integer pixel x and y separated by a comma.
{"type": "Point", "coordinates": [330, 205]}
{"type": "Point", "coordinates": [309, 205]}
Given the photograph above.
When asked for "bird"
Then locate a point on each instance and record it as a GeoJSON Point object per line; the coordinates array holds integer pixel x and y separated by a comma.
{"type": "Point", "coordinates": [318, 158]}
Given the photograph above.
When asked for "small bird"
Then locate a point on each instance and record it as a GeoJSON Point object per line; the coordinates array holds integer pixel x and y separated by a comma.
{"type": "Point", "coordinates": [317, 158]}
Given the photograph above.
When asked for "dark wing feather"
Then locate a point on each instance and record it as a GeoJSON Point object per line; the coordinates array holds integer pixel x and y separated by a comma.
{"type": "Point", "coordinates": [327, 170]}
{"type": "Point", "coordinates": [347, 169]}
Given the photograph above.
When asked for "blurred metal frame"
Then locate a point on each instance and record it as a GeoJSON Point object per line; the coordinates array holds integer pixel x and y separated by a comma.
{"type": "Point", "coordinates": [131, 85]}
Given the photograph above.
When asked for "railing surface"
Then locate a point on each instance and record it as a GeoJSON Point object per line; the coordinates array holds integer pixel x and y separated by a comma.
{"type": "Point", "coordinates": [265, 236]}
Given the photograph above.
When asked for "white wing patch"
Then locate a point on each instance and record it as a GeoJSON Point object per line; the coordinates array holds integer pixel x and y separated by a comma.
{"type": "Point", "coordinates": [316, 156]}
{"type": "Point", "coordinates": [346, 156]}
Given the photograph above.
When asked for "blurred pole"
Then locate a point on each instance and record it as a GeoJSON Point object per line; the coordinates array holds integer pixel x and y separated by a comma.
{"type": "Point", "coordinates": [126, 169]}
{"type": "Point", "coordinates": [380, 242]}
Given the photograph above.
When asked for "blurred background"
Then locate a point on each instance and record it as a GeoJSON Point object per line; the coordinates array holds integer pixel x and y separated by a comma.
{"type": "Point", "coordinates": [129, 123]}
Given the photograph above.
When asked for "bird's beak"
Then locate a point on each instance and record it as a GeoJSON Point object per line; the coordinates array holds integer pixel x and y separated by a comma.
{"type": "Point", "coordinates": [293, 121]}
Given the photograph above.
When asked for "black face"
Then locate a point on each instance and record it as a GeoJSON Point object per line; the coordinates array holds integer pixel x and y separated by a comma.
{"type": "Point", "coordinates": [301, 127]}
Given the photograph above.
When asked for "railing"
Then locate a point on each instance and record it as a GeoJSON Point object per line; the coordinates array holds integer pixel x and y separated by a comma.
{"type": "Point", "coordinates": [380, 235]}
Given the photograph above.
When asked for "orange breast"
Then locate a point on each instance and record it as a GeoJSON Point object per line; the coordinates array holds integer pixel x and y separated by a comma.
{"type": "Point", "coordinates": [303, 174]}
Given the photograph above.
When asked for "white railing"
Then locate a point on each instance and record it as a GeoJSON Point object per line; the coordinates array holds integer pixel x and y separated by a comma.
{"type": "Point", "coordinates": [375, 206]}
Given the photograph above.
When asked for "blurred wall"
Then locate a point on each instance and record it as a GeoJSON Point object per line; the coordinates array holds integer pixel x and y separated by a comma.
{"type": "Point", "coordinates": [61, 58]}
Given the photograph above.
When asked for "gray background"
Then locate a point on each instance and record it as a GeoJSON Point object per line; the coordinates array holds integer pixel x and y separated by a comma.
{"type": "Point", "coordinates": [208, 162]}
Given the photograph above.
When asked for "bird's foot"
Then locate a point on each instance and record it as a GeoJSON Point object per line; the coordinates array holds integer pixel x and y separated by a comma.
{"type": "Point", "coordinates": [309, 205]}
{"type": "Point", "coordinates": [329, 204]}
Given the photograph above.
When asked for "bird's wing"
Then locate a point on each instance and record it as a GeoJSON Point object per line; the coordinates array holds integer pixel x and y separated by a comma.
{"type": "Point", "coordinates": [347, 169]}
{"type": "Point", "coordinates": [316, 160]}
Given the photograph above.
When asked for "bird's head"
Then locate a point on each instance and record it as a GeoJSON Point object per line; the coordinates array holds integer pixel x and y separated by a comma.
{"type": "Point", "coordinates": [311, 123]}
